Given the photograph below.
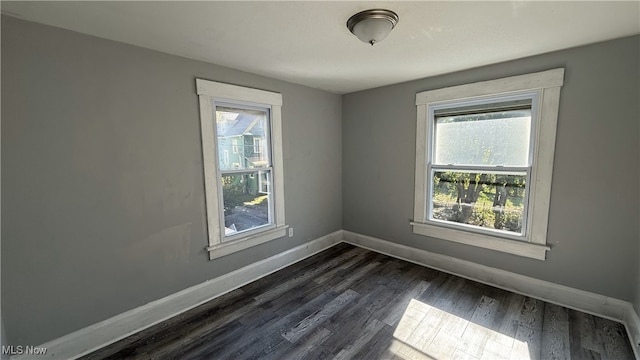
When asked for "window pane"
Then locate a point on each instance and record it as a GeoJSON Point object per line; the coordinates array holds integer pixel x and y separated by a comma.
{"type": "Point", "coordinates": [245, 206]}
{"type": "Point", "coordinates": [486, 200]}
{"type": "Point", "coordinates": [242, 137]}
{"type": "Point", "coordinates": [492, 138]}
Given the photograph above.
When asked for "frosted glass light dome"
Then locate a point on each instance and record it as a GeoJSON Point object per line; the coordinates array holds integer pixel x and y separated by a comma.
{"type": "Point", "coordinates": [372, 26]}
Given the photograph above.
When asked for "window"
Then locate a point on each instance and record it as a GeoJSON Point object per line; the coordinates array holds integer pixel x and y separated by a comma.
{"type": "Point", "coordinates": [225, 159]}
{"type": "Point", "coordinates": [478, 148]}
{"type": "Point", "coordinates": [234, 145]}
{"type": "Point", "coordinates": [240, 213]}
{"type": "Point", "coordinates": [479, 166]}
{"type": "Point", "coordinates": [257, 148]}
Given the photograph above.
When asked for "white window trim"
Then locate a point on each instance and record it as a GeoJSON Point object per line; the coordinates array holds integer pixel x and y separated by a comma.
{"type": "Point", "coordinates": [210, 92]}
{"type": "Point", "coordinates": [547, 84]}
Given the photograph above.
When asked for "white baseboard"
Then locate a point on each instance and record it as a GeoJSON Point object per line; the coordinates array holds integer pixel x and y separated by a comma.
{"type": "Point", "coordinates": [581, 300]}
{"type": "Point", "coordinates": [106, 332]}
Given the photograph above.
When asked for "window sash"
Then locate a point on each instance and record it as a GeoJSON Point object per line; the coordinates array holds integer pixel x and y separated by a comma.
{"type": "Point", "coordinates": [522, 236]}
{"type": "Point", "coordinates": [264, 156]}
{"type": "Point", "coordinates": [494, 103]}
{"type": "Point", "coordinates": [257, 170]}
{"type": "Point", "coordinates": [240, 105]}
{"type": "Point", "coordinates": [503, 138]}
{"type": "Point", "coordinates": [270, 198]}
{"type": "Point", "coordinates": [435, 109]}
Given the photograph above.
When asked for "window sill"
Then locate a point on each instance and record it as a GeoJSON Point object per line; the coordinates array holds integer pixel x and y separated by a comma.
{"type": "Point", "coordinates": [515, 247]}
{"type": "Point", "coordinates": [246, 242]}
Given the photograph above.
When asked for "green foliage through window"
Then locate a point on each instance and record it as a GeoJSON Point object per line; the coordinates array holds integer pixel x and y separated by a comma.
{"type": "Point", "coordinates": [491, 200]}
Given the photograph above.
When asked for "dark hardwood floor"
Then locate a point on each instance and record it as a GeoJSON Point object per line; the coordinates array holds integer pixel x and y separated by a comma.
{"type": "Point", "coordinates": [351, 303]}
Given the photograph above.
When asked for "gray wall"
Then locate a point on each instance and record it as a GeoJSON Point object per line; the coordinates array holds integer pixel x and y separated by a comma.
{"type": "Point", "coordinates": [593, 225]}
{"type": "Point", "coordinates": [103, 195]}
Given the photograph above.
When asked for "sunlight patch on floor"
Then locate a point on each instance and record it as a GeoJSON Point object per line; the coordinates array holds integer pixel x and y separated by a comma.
{"type": "Point", "coordinates": [426, 332]}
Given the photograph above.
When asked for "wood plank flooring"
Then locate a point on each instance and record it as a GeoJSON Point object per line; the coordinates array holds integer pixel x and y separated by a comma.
{"type": "Point", "coordinates": [352, 303]}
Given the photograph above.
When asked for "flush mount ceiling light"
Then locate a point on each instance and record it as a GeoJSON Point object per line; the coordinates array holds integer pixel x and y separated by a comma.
{"type": "Point", "coordinates": [372, 26]}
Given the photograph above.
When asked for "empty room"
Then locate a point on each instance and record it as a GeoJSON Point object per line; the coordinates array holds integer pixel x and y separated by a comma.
{"type": "Point", "coordinates": [320, 180]}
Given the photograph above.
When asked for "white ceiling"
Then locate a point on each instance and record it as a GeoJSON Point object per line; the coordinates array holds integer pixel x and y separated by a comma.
{"type": "Point", "coordinates": [308, 43]}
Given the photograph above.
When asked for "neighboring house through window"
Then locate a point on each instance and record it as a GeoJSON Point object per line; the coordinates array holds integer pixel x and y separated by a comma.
{"type": "Point", "coordinates": [240, 214]}
{"type": "Point", "coordinates": [484, 156]}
